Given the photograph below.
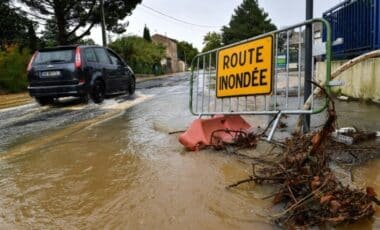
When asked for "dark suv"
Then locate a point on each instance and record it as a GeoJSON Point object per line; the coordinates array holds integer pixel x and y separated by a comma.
{"type": "Point", "coordinates": [80, 71]}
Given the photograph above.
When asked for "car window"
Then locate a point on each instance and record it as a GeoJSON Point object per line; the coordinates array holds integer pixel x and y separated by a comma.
{"type": "Point", "coordinates": [90, 55]}
{"type": "Point", "coordinates": [54, 56]}
{"type": "Point", "coordinates": [102, 56]}
{"type": "Point", "coordinates": [115, 60]}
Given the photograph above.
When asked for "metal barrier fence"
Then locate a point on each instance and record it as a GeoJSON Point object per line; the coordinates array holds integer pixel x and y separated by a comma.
{"type": "Point", "coordinates": [287, 86]}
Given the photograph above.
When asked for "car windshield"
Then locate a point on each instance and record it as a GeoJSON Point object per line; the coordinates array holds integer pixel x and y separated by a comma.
{"type": "Point", "coordinates": [56, 56]}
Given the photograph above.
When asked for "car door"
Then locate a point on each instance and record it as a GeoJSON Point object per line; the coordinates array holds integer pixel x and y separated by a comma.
{"type": "Point", "coordinates": [122, 77]}
{"type": "Point", "coordinates": [107, 69]}
{"type": "Point", "coordinates": [92, 67]}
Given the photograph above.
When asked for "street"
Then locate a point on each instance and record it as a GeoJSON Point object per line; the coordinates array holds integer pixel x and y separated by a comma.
{"type": "Point", "coordinates": [20, 123]}
{"type": "Point", "coordinates": [115, 165]}
{"type": "Point", "coordinates": [147, 114]}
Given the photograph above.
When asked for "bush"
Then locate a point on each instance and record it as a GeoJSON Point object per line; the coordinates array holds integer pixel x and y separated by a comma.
{"type": "Point", "coordinates": [143, 56]}
{"type": "Point", "coordinates": [13, 64]}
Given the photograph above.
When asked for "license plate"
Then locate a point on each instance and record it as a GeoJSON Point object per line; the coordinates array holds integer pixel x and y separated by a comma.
{"type": "Point", "coordinates": [50, 73]}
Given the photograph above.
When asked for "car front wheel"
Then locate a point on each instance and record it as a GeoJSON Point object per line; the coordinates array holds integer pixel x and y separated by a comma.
{"type": "Point", "coordinates": [132, 85]}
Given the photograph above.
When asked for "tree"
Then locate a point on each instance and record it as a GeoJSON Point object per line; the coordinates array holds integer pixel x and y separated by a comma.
{"type": "Point", "coordinates": [146, 34]}
{"type": "Point", "coordinates": [212, 40]}
{"type": "Point", "coordinates": [247, 21]}
{"type": "Point", "coordinates": [49, 35]}
{"type": "Point", "coordinates": [87, 41]}
{"type": "Point", "coordinates": [141, 55]}
{"type": "Point", "coordinates": [72, 16]}
{"type": "Point", "coordinates": [15, 28]}
{"type": "Point", "coordinates": [186, 52]}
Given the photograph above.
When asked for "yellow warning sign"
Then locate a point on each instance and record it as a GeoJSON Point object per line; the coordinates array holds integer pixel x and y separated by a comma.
{"type": "Point", "coordinates": [245, 69]}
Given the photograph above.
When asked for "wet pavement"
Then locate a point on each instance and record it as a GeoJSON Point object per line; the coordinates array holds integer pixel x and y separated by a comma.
{"type": "Point", "coordinates": [115, 165]}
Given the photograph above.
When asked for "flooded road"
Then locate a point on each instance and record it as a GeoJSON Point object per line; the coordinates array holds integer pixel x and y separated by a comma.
{"type": "Point", "coordinates": [115, 166]}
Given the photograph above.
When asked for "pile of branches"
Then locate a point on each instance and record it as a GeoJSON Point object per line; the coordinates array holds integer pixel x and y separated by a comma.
{"type": "Point", "coordinates": [239, 139]}
{"type": "Point", "coordinates": [308, 189]}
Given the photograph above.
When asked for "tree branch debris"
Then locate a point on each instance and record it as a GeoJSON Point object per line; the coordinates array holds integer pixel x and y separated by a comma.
{"type": "Point", "coordinates": [309, 192]}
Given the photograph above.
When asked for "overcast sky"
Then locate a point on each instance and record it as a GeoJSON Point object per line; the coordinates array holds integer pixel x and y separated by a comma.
{"type": "Point", "coordinates": [210, 13]}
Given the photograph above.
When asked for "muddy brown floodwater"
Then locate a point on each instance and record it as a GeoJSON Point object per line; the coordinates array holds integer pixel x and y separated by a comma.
{"type": "Point", "coordinates": [128, 173]}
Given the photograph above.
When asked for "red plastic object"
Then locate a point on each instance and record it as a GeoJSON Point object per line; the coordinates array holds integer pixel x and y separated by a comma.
{"type": "Point", "coordinates": [200, 132]}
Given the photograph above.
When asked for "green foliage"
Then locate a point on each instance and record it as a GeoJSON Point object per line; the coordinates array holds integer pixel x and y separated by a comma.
{"type": "Point", "coordinates": [186, 52]}
{"type": "Point", "coordinates": [247, 21]}
{"type": "Point", "coordinates": [74, 19]}
{"type": "Point", "coordinates": [15, 27]}
{"type": "Point", "coordinates": [13, 64]}
{"type": "Point", "coordinates": [212, 40]}
{"type": "Point", "coordinates": [87, 41]}
{"type": "Point", "coordinates": [49, 35]}
{"type": "Point", "coordinates": [144, 57]}
{"type": "Point", "coordinates": [146, 34]}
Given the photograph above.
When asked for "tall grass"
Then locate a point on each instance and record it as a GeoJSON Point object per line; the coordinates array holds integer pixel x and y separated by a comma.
{"type": "Point", "coordinates": [13, 64]}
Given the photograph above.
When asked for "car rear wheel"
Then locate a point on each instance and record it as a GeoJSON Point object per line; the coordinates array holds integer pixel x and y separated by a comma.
{"type": "Point", "coordinates": [132, 85]}
{"type": "Point", "coordinates": [84, 98]}
{"type": "Point", "coordinates": [98, 92]}
{"type": "Point", "coordinates": [45, 100]}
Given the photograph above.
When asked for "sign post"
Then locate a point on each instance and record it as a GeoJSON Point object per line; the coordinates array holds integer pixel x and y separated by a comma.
{"type": "Point", "coordinates": [245, 69]}
{"type": "Point", "coordinates": [308, 59]}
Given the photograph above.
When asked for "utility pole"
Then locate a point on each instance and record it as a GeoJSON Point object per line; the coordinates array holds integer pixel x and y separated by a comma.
{"type": "Point", "coordinates": [185, 60]}
{"type": "Point", "coordinates": [308, 59]}
{"type": "Point", "coordinates": [103, 23]}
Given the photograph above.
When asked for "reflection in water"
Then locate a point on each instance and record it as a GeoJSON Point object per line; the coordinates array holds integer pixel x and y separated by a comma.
{"type": "Point", "coordinates": [128, 172]}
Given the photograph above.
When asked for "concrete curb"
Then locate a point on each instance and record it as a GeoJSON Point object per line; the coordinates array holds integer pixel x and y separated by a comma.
{"type": "Point", "coordinates": [143, 79]}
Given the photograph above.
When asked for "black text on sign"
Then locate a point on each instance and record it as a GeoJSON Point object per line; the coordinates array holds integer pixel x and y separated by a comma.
{"type": "Point", "coordinates": [245, 69]}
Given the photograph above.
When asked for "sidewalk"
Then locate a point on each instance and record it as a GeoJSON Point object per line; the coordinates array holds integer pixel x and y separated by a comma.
{"type": "Point", "coordinates": [11, 100]}
{"type": "Point", "coordinates": [142, 79]}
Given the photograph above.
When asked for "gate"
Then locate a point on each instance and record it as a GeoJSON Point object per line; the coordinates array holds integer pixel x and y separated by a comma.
{"type": "Point", "coordinates": [282, 92]}
{"type": "Point", "coordinates": [358, 24]}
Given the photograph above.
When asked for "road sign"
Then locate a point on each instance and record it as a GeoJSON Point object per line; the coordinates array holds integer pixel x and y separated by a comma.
{"type": "Point", "coordinates": [281, 61]}
{"type": "Point", "coordinates": [245, 69]}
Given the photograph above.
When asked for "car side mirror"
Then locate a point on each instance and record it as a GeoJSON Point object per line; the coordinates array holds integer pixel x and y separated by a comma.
{"type": "Point", "coordinates": [121, 63]}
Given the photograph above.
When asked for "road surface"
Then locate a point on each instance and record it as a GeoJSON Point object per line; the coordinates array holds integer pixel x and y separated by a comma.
{"type": "Point", "coordinates": [115, 165]}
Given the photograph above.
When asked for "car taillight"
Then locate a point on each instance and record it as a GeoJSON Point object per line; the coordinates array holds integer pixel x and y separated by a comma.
{"type": "Point", "coordinates": [31, 61]}
{"type": "Point", "coordinates": [78, 60]}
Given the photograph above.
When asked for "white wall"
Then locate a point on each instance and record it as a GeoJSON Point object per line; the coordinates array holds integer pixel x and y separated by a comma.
{"type": "Point", "coordinates": [362, 81]}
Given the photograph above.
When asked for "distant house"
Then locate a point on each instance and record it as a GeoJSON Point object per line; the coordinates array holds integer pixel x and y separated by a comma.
{"type": "Point", "coordinates": [171, 62]}
{"type": "Point", "coordinates": [296, 41]}
{"type": "Point", "coordinates": [296, 37]}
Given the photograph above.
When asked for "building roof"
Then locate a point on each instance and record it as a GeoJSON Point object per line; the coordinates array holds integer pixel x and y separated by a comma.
{"type": "Point", "coordinates": [160, 36]}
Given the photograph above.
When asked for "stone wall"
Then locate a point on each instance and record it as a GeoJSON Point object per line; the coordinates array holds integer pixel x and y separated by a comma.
{"type": "Point", "coordinates": [171, 60]}
{"type": "Point", "coordinates": [362, 81]}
